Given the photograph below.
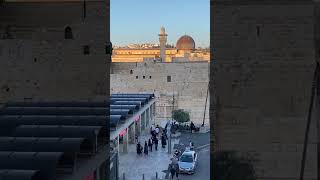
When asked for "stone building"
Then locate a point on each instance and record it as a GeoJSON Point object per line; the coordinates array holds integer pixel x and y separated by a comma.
{"type": "Point", "coordinates": [53, 50]}
{"type": "Point", "coordinates": [176, 85]}
{"type": "Point", "coordinates": [185, 49]}
{"type": "Point", "coordinates": [262, 72]}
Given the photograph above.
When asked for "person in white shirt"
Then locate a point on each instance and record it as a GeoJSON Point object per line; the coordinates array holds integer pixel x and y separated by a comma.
{"type": "Point", "coordinates": [157, 130]}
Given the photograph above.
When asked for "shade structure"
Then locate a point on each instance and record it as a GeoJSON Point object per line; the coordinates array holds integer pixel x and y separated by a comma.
{"type": "Point", "coordinates": [32, 133]}
{"type": "Point", "coordinates": [53, 111]}
{"type": "Point", "coordinates": [16, 174]}
{"type": "Point", "coordinates": [128, 103]}
{"type": "Point", "coordinates": [89, 132]}
{"type": "Point", "coordinates": [115, 119]}
{"type": "Point", "coordinates": [45, 162]}
{"type": "Point", "coordinates": [131, 107]}
{"type": "Point", "coordinates": [58, 104]}
{"type": "Point", "coordinates": [124, 112]}
{"type": "Point", "coordinates": [35, 144]}
{"type": "Point", "coordinates": [149, 96]}
{"type": "Point", "coordinates": [143, 99]}
{"type": "Point", "coordinates": [9, 122]}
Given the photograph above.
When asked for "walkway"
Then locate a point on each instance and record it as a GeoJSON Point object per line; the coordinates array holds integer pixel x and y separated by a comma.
{"type": "Point", "coordinates": [134, 166]}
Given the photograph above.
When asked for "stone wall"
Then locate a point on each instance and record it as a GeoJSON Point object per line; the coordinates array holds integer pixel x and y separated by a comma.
{"type": "Point", "coordinates": [262, 70]}
{"type": "Point", "coordinates": [189, 82]}
{"type": "Point", "coordinates": [38, 63]}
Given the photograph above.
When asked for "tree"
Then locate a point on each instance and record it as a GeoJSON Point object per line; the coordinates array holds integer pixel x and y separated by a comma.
{"type": "Point", "coordinates": [229, 166]}
{"type": "Point", "coordinates": [181, 116]}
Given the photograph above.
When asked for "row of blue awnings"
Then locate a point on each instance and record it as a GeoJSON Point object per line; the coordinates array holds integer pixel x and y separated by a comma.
{"type": "Point", "coordinates": [123, 106]}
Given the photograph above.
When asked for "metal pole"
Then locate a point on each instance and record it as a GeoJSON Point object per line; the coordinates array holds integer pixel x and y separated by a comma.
{"type": "Point", "coordinates": [169, 143]}
{"type": "Point", "coordinates": [156, 175]}
{"type": "Point", "coordinates": [205, 106]}
{"type": "Point", "coordinates": [124, 177]}
{"type": "Point", "coordinates": [306, 137]}
{"type": "Point", "coordinates": [142, 176]}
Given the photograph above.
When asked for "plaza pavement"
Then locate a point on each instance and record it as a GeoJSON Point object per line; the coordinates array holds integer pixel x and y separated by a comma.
{"type": "Point", "coordinates": [135, 166]}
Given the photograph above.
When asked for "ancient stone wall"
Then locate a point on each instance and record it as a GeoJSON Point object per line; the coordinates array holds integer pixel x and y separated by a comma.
{"type": "Point", "coordinates": [38, 63]}
{"type": "Point", "coordinates": [262, 70]}
{"type": "Point", "coordinates": [189, 82]}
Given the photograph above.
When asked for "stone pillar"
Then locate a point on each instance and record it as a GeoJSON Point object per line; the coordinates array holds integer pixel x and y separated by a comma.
{"type": "Point", "coordinates": [140, 125]}
{"type": "Point", "coordinates": [125, 141]}
{"type": "Point", "coordinates": [137, 128]}
{"type": "Point", "coordinates": [98, 174]}
{"type": "Point", "coordinates": [145, 119]}
{"type": "Point", "coordinates": [131, 133]}
{"type": "Point", "coordinates": [149, 116]}
{"type": "Point", "coordinates": [118, 144]}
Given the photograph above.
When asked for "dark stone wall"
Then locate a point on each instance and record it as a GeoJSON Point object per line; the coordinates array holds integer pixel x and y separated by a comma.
{"type": "Point", "coordinates": [261, 78]}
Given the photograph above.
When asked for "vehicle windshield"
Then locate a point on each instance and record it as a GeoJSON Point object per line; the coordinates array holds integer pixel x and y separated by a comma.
{"type": "Point", "coordinates": [186, 158]}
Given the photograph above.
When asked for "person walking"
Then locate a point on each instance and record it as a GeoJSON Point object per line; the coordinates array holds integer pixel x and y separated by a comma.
{"type": "Point", "coordinates": [157, 130]}
{"type": "Point", "coordinates": [191, 126]}
{"type": "Point", "coordinates": [156, 141]}
{"type": "Point", "coordinates": [136, 138]}
{"type": "Point", "coordinates": [191, 145]}
{"type": "Point", "coordinates": [145, 148]}
{"type": "Point", "coordinates": [172, 170]}
{"type": "Point", "coordinates": [139, 148]}
{"type": "Point", "coordinates": [177, 170]}
{"type": "Point", "coordinates": [150, 145]}
{"type": "Point", "coordinates": [163, 141]}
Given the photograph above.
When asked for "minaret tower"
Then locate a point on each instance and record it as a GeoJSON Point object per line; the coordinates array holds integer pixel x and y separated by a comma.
{"type": "Point", "coordinates": [163, 42]}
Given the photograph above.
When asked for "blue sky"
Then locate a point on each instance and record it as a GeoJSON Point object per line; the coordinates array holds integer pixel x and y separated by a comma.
{"type": "Point", "coordinates": [139, 21]}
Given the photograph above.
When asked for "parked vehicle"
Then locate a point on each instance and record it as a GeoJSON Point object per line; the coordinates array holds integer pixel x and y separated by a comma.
{"type": "Point", "coordinates": [188, 162]}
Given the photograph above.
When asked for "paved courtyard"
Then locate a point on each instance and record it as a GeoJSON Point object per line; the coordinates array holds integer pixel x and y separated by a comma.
{"type": "Point", "coordinates": [135, 166]}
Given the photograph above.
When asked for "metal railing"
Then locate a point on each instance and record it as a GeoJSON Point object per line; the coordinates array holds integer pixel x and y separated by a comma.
{"type": "Point", "coordinates": [143, 177]}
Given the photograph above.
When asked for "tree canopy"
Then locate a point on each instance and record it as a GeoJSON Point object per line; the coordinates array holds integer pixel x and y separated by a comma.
{"type": "Point", "coordinates": [180, 115]}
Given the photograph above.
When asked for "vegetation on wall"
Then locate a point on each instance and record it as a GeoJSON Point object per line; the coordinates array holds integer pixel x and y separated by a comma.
{"type": "Point", "coordinates": [181, 116]}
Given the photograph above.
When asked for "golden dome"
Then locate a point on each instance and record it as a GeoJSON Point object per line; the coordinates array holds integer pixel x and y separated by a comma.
{"type": "Point", "coordinates": [186, 43]}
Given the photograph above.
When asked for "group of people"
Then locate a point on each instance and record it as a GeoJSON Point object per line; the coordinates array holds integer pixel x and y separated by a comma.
{"type": "Point", "coordinates": [174, 166]}
{"type": "Point", "coordinates": [153, 140]}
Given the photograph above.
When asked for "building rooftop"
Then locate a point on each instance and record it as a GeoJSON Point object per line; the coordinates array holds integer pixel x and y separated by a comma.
{"type": "Point", "coordinates": [48, 140]}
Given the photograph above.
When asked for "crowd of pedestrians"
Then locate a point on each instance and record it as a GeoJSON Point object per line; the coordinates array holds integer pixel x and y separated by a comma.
{"type": "Point", "coordinates": [153, 141]}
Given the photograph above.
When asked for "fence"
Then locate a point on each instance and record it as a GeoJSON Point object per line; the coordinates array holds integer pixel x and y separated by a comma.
{"type": "Point", "coordinates": [156, 177]}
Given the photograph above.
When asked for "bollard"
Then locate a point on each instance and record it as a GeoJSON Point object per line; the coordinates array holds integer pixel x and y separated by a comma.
{"type": "Point", "coordinates": [142, 176]}
{"type": "Point", "coordinates": [124, 177]}
{"type": "Point", "coordinates": [156, 175]}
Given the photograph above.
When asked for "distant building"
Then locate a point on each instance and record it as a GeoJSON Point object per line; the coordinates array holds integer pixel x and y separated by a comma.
{"type": "Point", "coordinates": [185, 49]}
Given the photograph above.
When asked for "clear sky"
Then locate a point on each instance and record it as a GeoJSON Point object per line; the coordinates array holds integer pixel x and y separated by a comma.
{"type": "Point", "coordinates": [139, 21]}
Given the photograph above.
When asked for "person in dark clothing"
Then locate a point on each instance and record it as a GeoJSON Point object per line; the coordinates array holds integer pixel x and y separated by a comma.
{"type": "Point", "coordinates": [177, 171]}
{"type": "Point", "coordinates": [172, 170]}
{"type": "Point", "coordinates": [156, 141]}
{"type": "Point", "coordinates": [163, 141]}
{"type": "Point", "coordinates": [145, 148]}
{"type": "Point", "coordinates": [191, 126]}
{"type": "Point", "coordinates": [139, 148]}
{"type": "Point", "coordinates": [136, 138]}
{"type": "Point", "coordinates": [150, 145]}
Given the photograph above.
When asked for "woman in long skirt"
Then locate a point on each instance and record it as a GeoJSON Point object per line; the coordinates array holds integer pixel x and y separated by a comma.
{"type": "Point", "coordinates": [146, 148]}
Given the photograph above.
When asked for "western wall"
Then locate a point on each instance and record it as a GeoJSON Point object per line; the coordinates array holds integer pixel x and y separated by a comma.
{"type": "Point", "coordinates": [188, 85]}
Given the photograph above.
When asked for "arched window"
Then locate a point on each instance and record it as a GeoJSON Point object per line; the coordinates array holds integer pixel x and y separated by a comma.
{"type": "Point", "coordinates": [131, 72]}
{"type": "Point", "coordinates": [68, 33]}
